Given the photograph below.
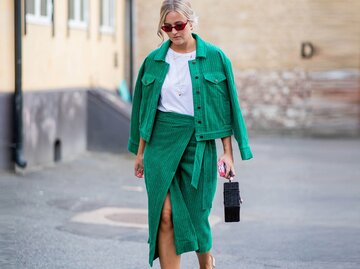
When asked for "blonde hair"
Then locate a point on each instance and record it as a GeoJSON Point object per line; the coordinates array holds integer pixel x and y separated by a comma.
{"type": "Point", "coordinates": [181, 6]}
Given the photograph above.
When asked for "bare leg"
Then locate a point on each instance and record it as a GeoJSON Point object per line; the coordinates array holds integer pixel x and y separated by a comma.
{"type": "Point", "coordinates": [167, 252]}
{"type": "Point", "coordinates": [205, 260]}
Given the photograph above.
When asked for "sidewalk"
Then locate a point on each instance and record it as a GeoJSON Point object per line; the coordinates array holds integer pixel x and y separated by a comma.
{"type": "Point", "coordinates": [301, 210]}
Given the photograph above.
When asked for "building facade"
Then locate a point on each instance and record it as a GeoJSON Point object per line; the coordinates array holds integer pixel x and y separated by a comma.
{"type": "Point", "coordinates": [296, 63]}
{"type": "Point", "coordinates": [68, 47]}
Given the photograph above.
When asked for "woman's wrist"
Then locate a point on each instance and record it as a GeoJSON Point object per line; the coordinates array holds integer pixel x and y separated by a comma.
{"type": "Point", "coordinates": [227, 146]}
{"type": "Point", "coordinates": [228, 150]}
{"type": "Point", "coordinates": [141, 148]}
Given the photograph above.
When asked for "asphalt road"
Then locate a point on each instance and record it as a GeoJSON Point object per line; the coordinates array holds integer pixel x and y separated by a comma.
{"type": "Point", "coordinates": [301, 210]}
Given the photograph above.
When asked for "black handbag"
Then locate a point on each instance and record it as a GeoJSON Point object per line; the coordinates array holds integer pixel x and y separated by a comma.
{"type": "Point", "coordinates": [232, 201]}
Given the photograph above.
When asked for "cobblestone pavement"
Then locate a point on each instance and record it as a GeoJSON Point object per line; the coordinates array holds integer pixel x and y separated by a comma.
{"type": "Point", "coordinates": [301, 210]}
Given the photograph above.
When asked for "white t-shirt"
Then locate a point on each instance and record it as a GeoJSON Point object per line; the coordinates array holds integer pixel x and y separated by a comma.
{"type": "Point", "coordinates": [176, 93]}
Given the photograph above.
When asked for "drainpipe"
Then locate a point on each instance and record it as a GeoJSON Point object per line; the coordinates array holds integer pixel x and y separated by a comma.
{"type": "Point", "coordinates": [131, 56]}
{"type": "Point", "coordinates": [18, 99]}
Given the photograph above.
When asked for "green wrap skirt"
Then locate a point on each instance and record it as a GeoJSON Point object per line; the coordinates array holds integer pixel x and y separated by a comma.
{"type": "Point", "coordinates": [175, 162]}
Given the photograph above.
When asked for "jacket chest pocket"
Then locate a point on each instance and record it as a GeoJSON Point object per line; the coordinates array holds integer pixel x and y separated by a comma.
{"type": "Point", "coordinates": [217, 95]}
{"type": "Point", "coordinates": [148, 83]}
{"type": "Point", "coordinates": [216, 81]}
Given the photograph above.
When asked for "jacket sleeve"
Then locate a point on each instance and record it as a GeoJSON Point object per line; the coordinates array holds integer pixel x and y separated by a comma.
{"type": "Point", "coordinates": [134, 138]}
{"type": "Point", "coordinates": [238, 122]}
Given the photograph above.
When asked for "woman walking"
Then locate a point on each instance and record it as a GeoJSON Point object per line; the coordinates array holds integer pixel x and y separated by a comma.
{"type": "Point", "coordinates": [185, 98]}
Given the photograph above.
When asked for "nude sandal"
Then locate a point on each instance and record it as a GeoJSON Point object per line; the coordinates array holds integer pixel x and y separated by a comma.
{"type": "Point", "coordinates": [213, 261]}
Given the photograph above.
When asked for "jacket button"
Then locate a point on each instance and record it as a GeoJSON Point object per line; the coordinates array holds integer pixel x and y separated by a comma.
{"type": "Point", "coordinates": [201, 136]}
{"type": "Point", "coordinates": [199, 121]}
{"type": "Point", "coordinates": [216, 81]}
{"type": "Point", "coordinates": [199, 107]}
{"type": "Point", "coordinates": [197, 92]}
{"type": "Point", "coordinates": [196, 77]}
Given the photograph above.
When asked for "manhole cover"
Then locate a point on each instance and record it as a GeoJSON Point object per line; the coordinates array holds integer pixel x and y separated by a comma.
{"type": "Point", "coordinates": [130, 217]}
{"type": "Point", "coordinates": [122, 217]}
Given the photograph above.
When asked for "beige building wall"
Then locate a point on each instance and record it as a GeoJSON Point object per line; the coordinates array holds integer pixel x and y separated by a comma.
{"type": "Point", "coordinates": [74, 57]}
{"type": "Point", "coordinates": [264, 34]}
{"type": "Point", "coordinates": [7, 46]}
{"type": "Point", "coordinates": [278, 89]}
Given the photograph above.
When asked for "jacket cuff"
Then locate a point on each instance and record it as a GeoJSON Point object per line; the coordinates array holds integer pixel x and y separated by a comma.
{"type": "Point", "coordinates": [246, 153]}
{"type": "Point", "coordinates": [133, 147]}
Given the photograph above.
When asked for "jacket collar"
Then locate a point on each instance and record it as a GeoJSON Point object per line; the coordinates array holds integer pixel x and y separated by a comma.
{"type": "Point", "coordinates": [200, 49]}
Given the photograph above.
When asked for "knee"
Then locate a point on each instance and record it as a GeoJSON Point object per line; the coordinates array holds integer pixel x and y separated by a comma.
{"type": "Point", "coordinates": [166, 220]}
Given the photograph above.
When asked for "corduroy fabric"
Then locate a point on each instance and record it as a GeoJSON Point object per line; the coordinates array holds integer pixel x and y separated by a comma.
{"type": "Point", "coordinates": [216, 107]}
{"type": "Point", "coordinates": [169, 161]}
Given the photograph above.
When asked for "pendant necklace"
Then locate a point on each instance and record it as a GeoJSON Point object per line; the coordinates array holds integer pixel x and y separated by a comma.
{"type": "Point", "coordinates": [180, 83]}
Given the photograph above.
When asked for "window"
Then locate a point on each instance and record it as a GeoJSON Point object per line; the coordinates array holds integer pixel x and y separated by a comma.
{"type": "Point", "coordinates": [78, 13]}
{"type": "Point", "coordinates": [107, 20]}
{"type": "Point", "coordinates": [38, 11]}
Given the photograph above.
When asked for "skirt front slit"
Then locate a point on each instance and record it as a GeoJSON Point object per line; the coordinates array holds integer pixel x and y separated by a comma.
{"type": "Point", "coordinates": [175, 162]}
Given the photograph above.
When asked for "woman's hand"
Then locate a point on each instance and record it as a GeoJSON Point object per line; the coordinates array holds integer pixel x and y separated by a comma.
{"type": "Point", "coordinates": [227, 158]}
{"type": "Point", "coordinates": [229, 165]}
{"type": "Point", "coordinates": [139, 162]}
{"type": "Point", "coordinates": [139, 166]}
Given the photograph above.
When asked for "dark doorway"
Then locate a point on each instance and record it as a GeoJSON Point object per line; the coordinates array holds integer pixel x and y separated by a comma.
{"type": "Point", "coordinates": [57, 150]}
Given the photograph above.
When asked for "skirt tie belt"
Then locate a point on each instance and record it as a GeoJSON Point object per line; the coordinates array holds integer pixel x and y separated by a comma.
{"type": "Point", "coordinates": [203, 148]}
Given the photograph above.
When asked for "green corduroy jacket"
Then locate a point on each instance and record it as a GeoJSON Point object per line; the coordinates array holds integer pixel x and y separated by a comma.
{"type": "Point", "coordinates": [217, 111]}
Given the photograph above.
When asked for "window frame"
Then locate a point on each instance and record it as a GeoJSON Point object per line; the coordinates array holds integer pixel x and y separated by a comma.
{"type": "Point", "coordinates": [106, 12]}
{"type": "Point", "coordinates": [37, 18]}
{"type": "Point", "coordinates": [77, 22]}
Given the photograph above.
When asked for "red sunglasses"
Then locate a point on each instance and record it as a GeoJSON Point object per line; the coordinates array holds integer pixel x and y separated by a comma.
{"type": "Point", "coordinates": [178, 27]}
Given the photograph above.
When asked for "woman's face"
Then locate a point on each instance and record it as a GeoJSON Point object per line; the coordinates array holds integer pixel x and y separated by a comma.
{"type": "Point", "coordinates": [180, 37]}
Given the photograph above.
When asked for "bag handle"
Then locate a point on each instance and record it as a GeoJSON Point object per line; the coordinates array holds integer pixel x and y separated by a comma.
{"type": "Point", "coordinates": [230, 180]}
